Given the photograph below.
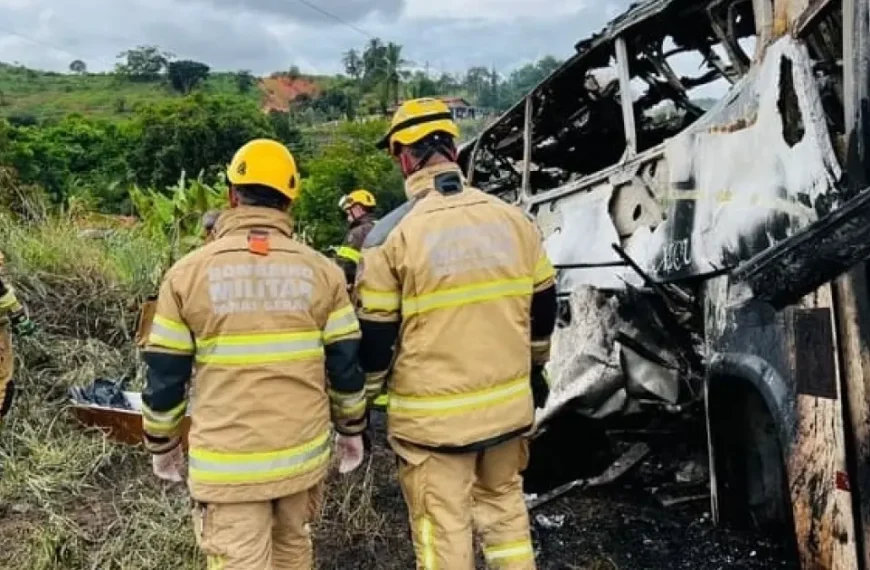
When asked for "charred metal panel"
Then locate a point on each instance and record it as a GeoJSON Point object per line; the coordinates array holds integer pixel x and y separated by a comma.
{"type": "Point", "coordinates": [579, 120]}
{"type": "Point", "coordinates": [751, 341]}
{"type": "Point", "coordinates": [829, 247]}
{"type": "Point", "coordinates": [754, 170]}
{"type": "Point", "coordinates": [815, 370]}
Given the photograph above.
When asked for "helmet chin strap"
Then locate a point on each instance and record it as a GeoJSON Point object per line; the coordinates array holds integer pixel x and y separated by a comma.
{"type": "Point", "coordinates": [411, 165]}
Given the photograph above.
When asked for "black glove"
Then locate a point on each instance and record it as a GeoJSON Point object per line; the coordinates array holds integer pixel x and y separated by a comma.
{"type": "Point", "coordinates": [540, 385]}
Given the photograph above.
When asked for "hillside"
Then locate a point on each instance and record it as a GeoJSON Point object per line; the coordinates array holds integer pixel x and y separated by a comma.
{"type": "Point", "coordinates": [28, 94]}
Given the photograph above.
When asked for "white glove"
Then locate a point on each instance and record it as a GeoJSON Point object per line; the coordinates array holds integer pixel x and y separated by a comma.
{"type": "Point", "coordinates": [171, 466]}
{"type": "Point", "coordinates": [350, 451]}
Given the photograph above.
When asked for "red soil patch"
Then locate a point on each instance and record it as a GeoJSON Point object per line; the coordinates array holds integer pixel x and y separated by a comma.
{"type": "Point", "coordinates": [279, 91]}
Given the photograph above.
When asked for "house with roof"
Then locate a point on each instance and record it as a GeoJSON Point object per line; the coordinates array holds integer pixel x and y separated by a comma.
{"type": "Point", "coordinates": [459, 107]}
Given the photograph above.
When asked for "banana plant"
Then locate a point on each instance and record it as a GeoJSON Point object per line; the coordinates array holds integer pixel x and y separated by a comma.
{"type": "Point", "coordinates": [174, 216]}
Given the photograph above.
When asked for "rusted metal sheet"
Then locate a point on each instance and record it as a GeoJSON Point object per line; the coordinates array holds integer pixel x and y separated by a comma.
{"type": "Point", "coordinates": [824, 525]}
{"type": "Point", "coordinates": [853, 332]}
{"type": "Point", "coordinates": [853, 293]}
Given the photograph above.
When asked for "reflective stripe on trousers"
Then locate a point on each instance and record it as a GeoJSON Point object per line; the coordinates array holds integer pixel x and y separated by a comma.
{"type": "Point", "coordinates": [259, 467]}
{"type": "Point", "coordinates": [502, 554]}
{"type": "Point", "coordinates": [427, 541]}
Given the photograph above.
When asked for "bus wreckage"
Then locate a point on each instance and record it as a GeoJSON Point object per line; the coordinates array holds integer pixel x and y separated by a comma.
{"type": "Point", "coordinates": [711, 256]}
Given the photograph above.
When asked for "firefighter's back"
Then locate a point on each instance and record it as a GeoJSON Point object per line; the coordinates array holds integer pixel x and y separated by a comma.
{"type": "Point", "coordinates": [257, 303]}
{"type": "Point", "coordinates": [466, 265]}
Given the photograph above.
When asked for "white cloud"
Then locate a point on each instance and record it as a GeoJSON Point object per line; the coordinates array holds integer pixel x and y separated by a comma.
{"type": "Point", "coordinates": [269, 35]}
{"type": "Point", "coordinates": [493, 10]}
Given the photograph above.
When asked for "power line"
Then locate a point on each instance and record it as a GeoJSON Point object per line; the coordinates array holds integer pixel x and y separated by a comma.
{"type": "Point", "coordinates": [338, 19]}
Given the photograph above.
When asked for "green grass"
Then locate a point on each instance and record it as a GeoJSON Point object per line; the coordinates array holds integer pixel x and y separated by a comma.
{"type": "Point", "coordinates": [70, 498]}
{"type": "Point", "coordinates": [49, 95]}
{"type": "Point", "coordinates": [25, 92]}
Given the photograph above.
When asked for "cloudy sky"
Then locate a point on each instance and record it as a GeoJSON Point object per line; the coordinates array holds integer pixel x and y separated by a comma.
{"type": "Point", "coordinates": [269, 35]}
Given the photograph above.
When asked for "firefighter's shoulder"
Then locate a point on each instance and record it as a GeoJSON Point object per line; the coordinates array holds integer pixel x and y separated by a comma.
{"type": "Point", "coordinates": [386, 225]}
{"type": "Point", "coordinates": [188, 261]}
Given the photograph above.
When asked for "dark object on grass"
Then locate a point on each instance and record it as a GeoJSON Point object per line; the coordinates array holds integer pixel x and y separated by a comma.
{"type": "Point", "coordinates": [102, 392]}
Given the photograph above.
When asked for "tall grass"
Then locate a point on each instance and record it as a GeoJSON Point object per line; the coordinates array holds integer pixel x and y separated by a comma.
{"type": "Point", "coordinates": [70, 498]}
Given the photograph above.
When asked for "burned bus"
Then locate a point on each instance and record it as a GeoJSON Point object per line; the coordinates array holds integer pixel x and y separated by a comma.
{"type": "Point", "coordinates": [698, 170]}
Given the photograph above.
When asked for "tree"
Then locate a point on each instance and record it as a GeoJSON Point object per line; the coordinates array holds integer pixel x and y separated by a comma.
{"type": "Point", "coordinates": [394, 72]}
{"type": "Point", "coordinates": [373, 63]}
{"type": "Point", "coordinates": [353, 64]}
{"type": "Point", "coordinates": [193, 134]}
{"type": "Point", "coordinates": [447, 84]}
{"type": "Point", "coordinates": [185, 75]}
{"type": "Point", "coordinates": [476, 82]}
{"type": "Point", "coordinates": [75, 152]}
{"type": "Point", "coordinates": [245, 81]}
{"type": "Point", "coordinates": [144, 63]}
{"type": "Point", "coordinates": [347, 161]}
{"type": "Point", "coordinates": [527, 77]}
{"type": "Point", "coordinates": [78, 66]}
{"type": "Point", "coordinates": [420, 85]}
{"type": "Point", "coordinates": [284, 128]}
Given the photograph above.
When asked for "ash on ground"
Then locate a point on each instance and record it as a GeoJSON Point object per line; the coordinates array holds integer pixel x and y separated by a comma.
{"type": "Point", "coordinates": [623, 526]}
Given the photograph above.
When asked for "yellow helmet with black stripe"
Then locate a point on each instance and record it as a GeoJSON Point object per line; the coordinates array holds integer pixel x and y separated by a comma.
{"type": "Point", "coordinates": [417, 119]}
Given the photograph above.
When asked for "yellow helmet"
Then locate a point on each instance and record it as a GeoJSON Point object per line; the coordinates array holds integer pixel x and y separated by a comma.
{"type": "Point", "coordinates": [362, 197]}
{"type": "Point", "coordinates": [268, 163]}
{"type": "Point", "coordinates": [416, 119]}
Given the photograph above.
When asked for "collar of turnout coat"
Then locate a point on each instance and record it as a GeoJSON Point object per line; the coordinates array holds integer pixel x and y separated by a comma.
{"type": "Point", "coordinates": [247, 217]}
{"type": "Point", "coordinates": [421, 181]}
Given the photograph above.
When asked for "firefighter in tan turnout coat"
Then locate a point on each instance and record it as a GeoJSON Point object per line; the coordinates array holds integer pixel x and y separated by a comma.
{"type": "Point", "coordinates": [459, 282]}
{"type": "Point", "coordinates": [358, 207]}
{"type": "Point", "coordinates": [269, 325]}
{"type": "Point", "coordinates": [13, 318]}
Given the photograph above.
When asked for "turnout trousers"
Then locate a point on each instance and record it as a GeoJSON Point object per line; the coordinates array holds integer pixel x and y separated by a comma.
{"type": "Point", "coordinates": [451, 494]}
{"type": "Point", "coordinates": [7, 368]}
{"type": "Point", "coordinates": [268, 535]}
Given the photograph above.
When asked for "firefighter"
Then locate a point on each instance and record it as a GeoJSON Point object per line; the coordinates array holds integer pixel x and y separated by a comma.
{"type": "Point", "coordinates": [267, 321]}
{"type": "Point", "coordinates": [359, 208]}
{"type": "Point", "coordinates": [13, 318]}
{"type": "Point", "coordinates": [457, 303]}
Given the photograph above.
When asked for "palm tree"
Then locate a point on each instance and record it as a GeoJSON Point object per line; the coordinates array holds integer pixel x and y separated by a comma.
{"type": "Point", "coordinates": [373, 62]}
{"type": "Point", "coordinates": [353, 64]}
{"type": "Point", "coordinates": [394, 72]}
